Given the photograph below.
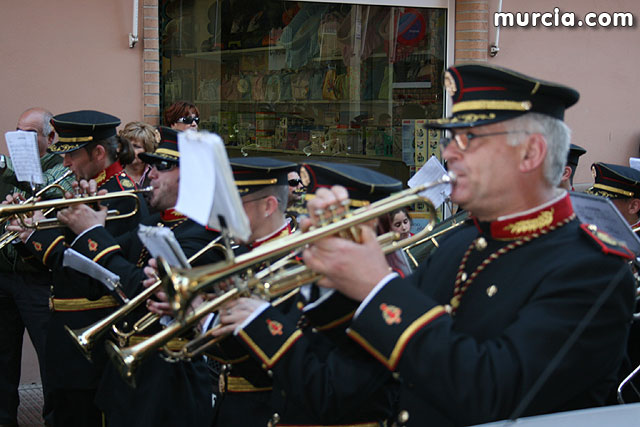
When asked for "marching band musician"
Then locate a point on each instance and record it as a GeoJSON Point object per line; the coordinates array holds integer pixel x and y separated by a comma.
{"type": "Point", "coordinates": [90, 148]}
{"type": "Point", "coordinates": [573, 157]}
{"type": "Point", "coordinates": [303, 344]}
{"type": "Point", "coordinates": [496, 323]}
{"type": "Point", "coordinates": [24, 285]}
{"type": "Point", "coordinates": [166, 393]}
{"type": "Point", "coordinates": [244, 387]}
{"type": "Point", "coordinates": [620, 184]}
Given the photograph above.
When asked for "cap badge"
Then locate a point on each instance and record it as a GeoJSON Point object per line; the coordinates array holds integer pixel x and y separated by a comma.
{"type": "Point", "coordinates": [450, 84]}
{"type": "Point", "coordinates": [275, 327]}
{"type": "Point", "coordinates": [391, 314]}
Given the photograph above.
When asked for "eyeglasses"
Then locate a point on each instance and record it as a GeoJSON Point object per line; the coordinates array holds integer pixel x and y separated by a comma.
{"type": "Point", "coordinates": [295, 182]}
{"type": "Point", "coordinates": [463, 140]}
{"type": "Point", "coordinates": [188, 120]}
{"type": "Point", "coordinates": [164, 166]}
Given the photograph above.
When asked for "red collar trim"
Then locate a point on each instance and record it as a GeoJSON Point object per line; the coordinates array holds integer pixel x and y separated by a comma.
{"type": "Point", "coordinates": [532, 222]}
{"type": "Point", "coordinates": [104, 176]}
{"type": "Point", "coordinates": [282, 232]}
{"type": "Point", "coordinates": [171, 215]}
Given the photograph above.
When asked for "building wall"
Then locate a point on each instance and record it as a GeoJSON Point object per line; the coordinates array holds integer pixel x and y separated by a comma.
{"type": "Point", "coordinates": [601, 63]}
{"type": "Point", "coordinates": [69, 55]}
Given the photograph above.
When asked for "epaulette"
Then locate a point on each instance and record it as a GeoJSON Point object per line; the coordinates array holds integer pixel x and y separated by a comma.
{"type": "Point", "coordinates": [125, 182]}
{"type": "Point", "coordinates": [607, 244]}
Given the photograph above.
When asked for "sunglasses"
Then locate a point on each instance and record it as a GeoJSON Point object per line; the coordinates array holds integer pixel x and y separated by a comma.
{"type": "Point", "coordinates": [163, 166]}
{"type": "Point", "coordinates": [188, 120]}
{"type": "Point", "coordinates": [294, 182]}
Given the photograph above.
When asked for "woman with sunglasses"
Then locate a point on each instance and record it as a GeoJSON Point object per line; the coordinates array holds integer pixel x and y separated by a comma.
{"type": "Point", "coordinates": [182, 115]}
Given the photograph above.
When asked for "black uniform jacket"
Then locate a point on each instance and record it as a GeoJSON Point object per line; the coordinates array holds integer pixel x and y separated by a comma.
{"type": "Point", "coordinates": [83, 299]}
{"type": "Point", "coordinates": [166, 393]}
{"type": "Point", "coordinates": [474, 328]}
{"type": "Point", "coordinates": [320, 376]}
{"type": "Point", "coordinates": [245, 386]}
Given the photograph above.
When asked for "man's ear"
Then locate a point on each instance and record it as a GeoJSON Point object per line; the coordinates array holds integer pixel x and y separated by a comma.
{"type": "Point", "coordinates": [271, 205]}
{"type": "Point", "coordinates": [634, 206]}
{"type": "Point", "coordinates": [533, 153]}
{"type": "Point", "coordinates": [51, 137]}
{"type": "Point", "coordinates": [98, 153]}
{"type": "Point", "coordinates": [566, 173]}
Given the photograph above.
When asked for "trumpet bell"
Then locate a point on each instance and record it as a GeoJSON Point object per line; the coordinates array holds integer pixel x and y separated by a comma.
{"type": "Point", "coordinates": [81, 338]}
{"type": "Point", "coordinates": [124, 361]}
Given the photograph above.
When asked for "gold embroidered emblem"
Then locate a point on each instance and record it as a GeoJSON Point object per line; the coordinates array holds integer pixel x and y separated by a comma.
{"type": "Point", "coordinates": [528, 225]}
{"type": "Point", "coordinates": [607, 239]}
{"type": "Point", "coordinates": [275, 327]}
{"type": "Point", "coordinates": [126, 182]}
{"type": "Point", "coordinates": [467, 118]}
{"type": "Point", "coordinates": [93, 246]}
{"type": "Point", "coordinates": [450, 84]}
{"type": "Point", "coordinates": [391, 314]}
{"type": "Point", "coordinates": [100, 178]}
{"type": "Point", "coordinates": [37, 246]}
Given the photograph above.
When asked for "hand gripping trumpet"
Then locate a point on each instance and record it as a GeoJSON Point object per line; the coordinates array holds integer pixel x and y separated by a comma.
{"type": "Point", "coordinates": [85, 338]}
{"type": "Point", "coordinates": [184, 284]}
{"type": "Point", "coordinates": [10, 236]}
{"type": "Point", "coordinates": [48, 206]}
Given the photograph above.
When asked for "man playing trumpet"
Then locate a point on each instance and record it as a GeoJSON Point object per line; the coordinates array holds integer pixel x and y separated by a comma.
{"type": "Point", "coordinates": [90, 148]}
{"type": "Point", "coordinates": [497, 322]}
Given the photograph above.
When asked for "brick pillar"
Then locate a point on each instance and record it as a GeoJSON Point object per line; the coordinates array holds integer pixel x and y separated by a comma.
{"type": "Point", "coordinates": [151, 62]}
{"type": "Point", "coordinates": [472, 31]}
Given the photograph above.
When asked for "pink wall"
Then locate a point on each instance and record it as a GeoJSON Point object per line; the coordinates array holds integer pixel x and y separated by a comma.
{"type": "Point", "coordinates": [603, 64]}
{"type": "Point", "coordinates": [68, 55]}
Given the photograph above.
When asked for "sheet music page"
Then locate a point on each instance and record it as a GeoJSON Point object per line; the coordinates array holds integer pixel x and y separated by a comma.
{"type": "Point", "coordinates": [431, 171]}
{"type": "Point", "coordinates": [23, 150]}
{"type": "Point", "coordinates": [77, 261]}
{"type": "Point", "coordinates": [161, 242]}
{"type": "Point", "coordinates": [207, 188]}
{"type": "Point", "coordinates": [601, 212]}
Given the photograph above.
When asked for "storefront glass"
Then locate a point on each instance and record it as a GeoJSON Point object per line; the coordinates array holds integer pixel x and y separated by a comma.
{"type": "Point", "coordinates": [307, 78]}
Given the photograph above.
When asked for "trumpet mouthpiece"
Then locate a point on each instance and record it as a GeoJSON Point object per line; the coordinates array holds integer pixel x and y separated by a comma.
{"type": "Point", "coordinates": [450, 177]}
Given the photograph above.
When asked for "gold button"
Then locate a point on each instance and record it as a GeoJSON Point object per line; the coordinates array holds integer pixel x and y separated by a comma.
{"type": "Point", "coordinates": [463, 277]}
{"type": "Point", "coordinates": [481, 243]}
{"type": "Point", "coordinates": [403, 417]}
{"type": "Point", "coordinates": [492, 290]}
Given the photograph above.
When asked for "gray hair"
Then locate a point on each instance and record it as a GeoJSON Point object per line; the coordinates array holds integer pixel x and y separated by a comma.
{"type": "Point", "coordinates": [47, 128]}
{"type": "Point", "coordinates": [556, 133]}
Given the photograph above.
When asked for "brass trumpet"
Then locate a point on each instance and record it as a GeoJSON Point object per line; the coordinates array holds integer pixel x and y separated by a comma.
{"type": "Point", "coordinates": [9, 236]}
{"type": "Point", "coordinates": [188, 282]}
{"type": "Point", "coordinates": [6, 211]}
{"type": "Point", "coordinates": [182, 286]}
{"type": "Point", "coordinates": [85, 338]}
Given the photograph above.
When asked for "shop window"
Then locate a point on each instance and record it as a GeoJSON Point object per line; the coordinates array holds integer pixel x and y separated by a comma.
{"type": "Point", "coordinates": [306, 78]}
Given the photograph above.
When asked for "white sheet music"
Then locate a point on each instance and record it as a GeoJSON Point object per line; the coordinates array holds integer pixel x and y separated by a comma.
{"type": "Point", "coordinates": [161, 242]}
{"type": "Point", "coordinates": [23, 149]}
{"type": "Point", "coordinates": [207, 188]}
{"type": "Point", "coordinates": [431, 171]}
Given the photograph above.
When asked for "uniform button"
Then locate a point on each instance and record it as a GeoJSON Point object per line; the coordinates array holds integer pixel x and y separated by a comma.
{"type": "Point", "coordinates": [270, 373]}
{"type": "Point", "coordinates": [396, 375]}
{"type": "Point", "coordinates": [481, 243]}
{"type": "Point", "coordinates": [463, 276]}
{"type": "Point", "coordinates": [403, 417]}
{"type": "Point", "coordinates": [314, 330]}
{"type": "Point", "coordinates": [264, 366]}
